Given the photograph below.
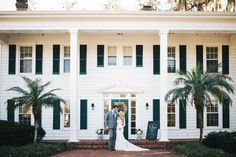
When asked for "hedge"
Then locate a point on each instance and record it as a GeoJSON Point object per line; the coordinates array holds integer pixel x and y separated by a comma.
{"type": "Point", "coordinates": [32, 150]}
{"type": "Point", "coordinates": [221, 140]}
{"type": "Point", "coordinates": [199, 150]}
{"type": "Point", "coordinates": [16, 134]}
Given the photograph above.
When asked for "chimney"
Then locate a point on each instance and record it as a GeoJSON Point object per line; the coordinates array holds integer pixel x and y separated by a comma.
{"type": "Point", "coordinates": [22, 5]}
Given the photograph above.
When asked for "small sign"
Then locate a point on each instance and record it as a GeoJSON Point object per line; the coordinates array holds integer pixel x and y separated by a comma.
{"type": "Point", "coordinates": [152, 130]}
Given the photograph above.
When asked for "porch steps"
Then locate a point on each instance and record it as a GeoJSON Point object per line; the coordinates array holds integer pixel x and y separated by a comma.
{"type": "Point", "coordinates": [103, 144]}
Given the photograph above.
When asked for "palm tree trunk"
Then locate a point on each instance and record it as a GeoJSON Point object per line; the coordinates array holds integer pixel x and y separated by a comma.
{"type": "Point", "coordinates": [36, 125]}
{"type": "Point", "coordinates": [200, 115]}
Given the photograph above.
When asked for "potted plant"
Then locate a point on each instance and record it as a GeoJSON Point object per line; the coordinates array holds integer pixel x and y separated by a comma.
{"type": "Point", "coordinates": [139, 133]}
{"type": "Point", "coordinates": [21, 5]}
{"type": "Point", "coordinates": [100, 133]}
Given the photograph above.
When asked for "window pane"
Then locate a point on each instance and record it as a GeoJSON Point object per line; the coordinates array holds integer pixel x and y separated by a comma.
{"type": "Point", "coordinates": [212, 114]}
{"type": "Point", "coordinates": [106, 109]}
{"type": "Point", "coordinates": [171, 114]}
{"type": "Point", "coordinates": [24, 115]}
{"type": "Point", "coordinates": [127, 60]}
{"type": "Point", "coordinates": [111, 60]}
{"type": "Point", "coordinates": [66, 51]}
{"type": "Point", "coordinates": [171, 60]}
{"type": "Point", "coordinates": [66, 65]}
{"type": "Point", "coordinates": [127, 51]}
{"type": "Point", "coordinates": [111, 51]}
{"type": "Point", "coordinates": [25, 59]}
{"type": "Point", "coordinates": [67, 114]}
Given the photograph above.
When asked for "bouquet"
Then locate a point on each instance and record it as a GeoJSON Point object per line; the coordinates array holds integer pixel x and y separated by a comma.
{"type": "Point", "coordinates": [139, 131]}
{"type": "Point", "coordinates": [99, 131]}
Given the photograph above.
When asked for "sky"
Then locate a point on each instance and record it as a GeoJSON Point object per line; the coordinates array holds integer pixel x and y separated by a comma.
{"type": "Point", "coordinates": [7, 5]}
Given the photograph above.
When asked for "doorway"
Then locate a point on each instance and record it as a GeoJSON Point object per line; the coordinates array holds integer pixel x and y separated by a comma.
{"type": "Point", "coordinates": [126, 102]}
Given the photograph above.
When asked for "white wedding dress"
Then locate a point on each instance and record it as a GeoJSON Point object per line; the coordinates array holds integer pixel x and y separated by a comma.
{"type": "Point", "coordinates": [121, 143]}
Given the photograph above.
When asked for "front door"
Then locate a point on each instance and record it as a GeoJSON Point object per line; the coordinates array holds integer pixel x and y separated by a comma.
{"type": "Point", "coordinates": [126, 132]}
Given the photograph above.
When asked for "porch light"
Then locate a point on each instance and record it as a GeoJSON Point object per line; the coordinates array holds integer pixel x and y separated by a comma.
{"type": "Point", "coordinates": [147, 105]}
{"type": "Point", "coordinates": [92, 106]}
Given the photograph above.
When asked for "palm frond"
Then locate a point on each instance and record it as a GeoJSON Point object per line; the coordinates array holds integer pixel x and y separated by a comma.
{"type": "Point", "coordinates": [18, 90]}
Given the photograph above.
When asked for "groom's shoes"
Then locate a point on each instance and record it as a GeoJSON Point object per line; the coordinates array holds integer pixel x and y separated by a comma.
{"type": "Point", "coordinates": [112, 149]}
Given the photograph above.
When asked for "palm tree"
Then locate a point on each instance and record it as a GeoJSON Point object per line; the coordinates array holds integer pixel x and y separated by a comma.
{"type": "Point", "coordinates": [35, 98]}
{"type": "Point", "coordinates": [198, 88]}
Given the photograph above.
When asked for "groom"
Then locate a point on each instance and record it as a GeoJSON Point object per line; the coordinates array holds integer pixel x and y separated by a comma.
{"type": "Point", "coordinates": [111, 123]}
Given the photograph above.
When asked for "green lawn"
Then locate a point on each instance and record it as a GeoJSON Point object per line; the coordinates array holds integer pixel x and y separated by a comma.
{"type": "Point", "coordinates": [32, 150]}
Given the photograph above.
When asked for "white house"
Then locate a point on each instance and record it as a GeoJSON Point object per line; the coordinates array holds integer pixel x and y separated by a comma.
{"type": "Point", "coordinates": [98, 58]}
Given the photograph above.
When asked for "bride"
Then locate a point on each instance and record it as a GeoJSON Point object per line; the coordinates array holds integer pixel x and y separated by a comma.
{"type": "Point", "coordinates": [121, 143]}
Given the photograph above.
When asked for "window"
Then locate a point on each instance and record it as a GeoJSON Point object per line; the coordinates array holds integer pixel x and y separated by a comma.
{"type": "Point", "coordinates": [133, 117]}
{"type": "Point", "coordinates": [171, 114]}
{"type": "Point", "coordinates": [127, 56]}
{"type": "Point", "coordinates": [111, 55]}
{"type": "Point", "coordinates": [24, 115]}
{"type": "Point", "coordinates": [106, 109]}
{"type": "Point", "coordinates": [66, 59]}
{"type": "Point", "coordinates": [26, 59]}
{"type": "Point", "coordinates": [212, 114]}
{"type": "Point", "coordinates": [67, 114]}
{"type": "Point", "coordinates": [171, 59]}
{"type": "Point", "coordinates": [212, 59]}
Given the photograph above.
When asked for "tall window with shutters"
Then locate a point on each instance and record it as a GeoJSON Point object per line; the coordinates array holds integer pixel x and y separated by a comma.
{"type": "Point", "coordinates": [171, 59]}
{"type": "Point", "coordinates": [26, 59]}
{"type": "Point", "coordinates": [66, 59]}
{"type": "Point", "coordinates": [133, 117]}
{"type": "Point", "coordinates": [67, 114]}
{"type": "Point", "coordinates": [212, 59]}
{"type": "Point", "coordinates": [212, 114]}
{"type": "Point", "coordinates": [171, 114]}
{"type": "Point", "coordinates": [24, 115]}
{"type": "Point", "coordinates": [105, 111]}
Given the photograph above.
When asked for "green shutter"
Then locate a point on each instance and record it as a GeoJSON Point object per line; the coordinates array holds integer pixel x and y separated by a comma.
{"type": "Point", "coordinates": [56, 59]}
{"type": "Point", "coordinates": [83, 114]}
{"type": "Point", "coordinates": [226, 114]}
{"type": "Point", "coordinates": [182, 58]}
{"type": "Point", "coordinates": [225, 59]}
{"type": "Point", "coordinates": [139, 55]}
{"type": "Point", "coordinates": [156, 110]}
{"type": "Point", "coordinates": [156, 59]}
{"type": "Point", "coordinates": [39, 59]}
{"type": "Point", "coordinates": [83, 59]}
{"type": "Point", "coordinates": [12, 59]}
{"type": "Point", "coordinates": [10, 110]}
{"type": "Point", "coordinates": [56, 115]}
{"type": "Point", "coordinates": [182, 114]}
{"type": "Point", "coordinates": [199, 56]}
{"type": "Point", "coordinates": [100, 55]}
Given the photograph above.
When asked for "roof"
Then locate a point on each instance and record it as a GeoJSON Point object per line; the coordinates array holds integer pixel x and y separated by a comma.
{"type": "Point", "coordinates": [110, 20]}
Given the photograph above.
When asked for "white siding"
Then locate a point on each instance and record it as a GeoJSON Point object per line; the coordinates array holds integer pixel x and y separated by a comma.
{"type": "Point", "coordinates": [97, 78]}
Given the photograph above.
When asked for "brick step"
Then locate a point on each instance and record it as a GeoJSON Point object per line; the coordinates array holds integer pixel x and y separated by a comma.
{"type": "Point", "coordinates": [106, 147]}
{"type": "Point", "coordinates": [103, 144]}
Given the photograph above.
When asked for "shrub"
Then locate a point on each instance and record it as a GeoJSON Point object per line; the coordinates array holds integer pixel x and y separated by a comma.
{"type": "Point", "coordinates": [198, 150]}
{"type": "Point", "coordinates": [32, 150]}
{"type": "Point", "coordinates": [221, 140]}
{"type": "Point", "coordinates": [16, 134]}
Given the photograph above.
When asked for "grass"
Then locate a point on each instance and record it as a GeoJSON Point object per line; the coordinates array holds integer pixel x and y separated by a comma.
{"type": "Point", "coordinates": [199, 150]}
{"type": "Point", "coordinates": [32, 150]}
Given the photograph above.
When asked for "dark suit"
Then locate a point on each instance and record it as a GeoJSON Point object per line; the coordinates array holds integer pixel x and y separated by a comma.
{"type": "Point", "coordinates": [111, 122]}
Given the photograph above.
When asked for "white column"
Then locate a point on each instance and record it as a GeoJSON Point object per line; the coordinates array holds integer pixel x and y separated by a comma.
{"type": "Point", "coordinates": [73, 85]}
{"type": "Point", "coordinates": [164, 84]}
